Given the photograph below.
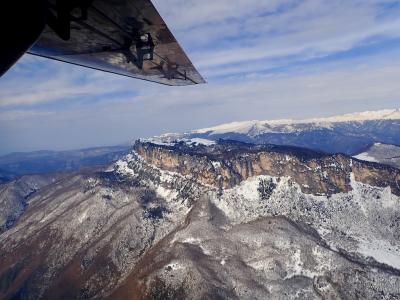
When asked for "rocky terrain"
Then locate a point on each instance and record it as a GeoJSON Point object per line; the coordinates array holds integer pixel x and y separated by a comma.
{"type": "Point", "coordinates": [349, 134]}
{"type": "Point", "coordinates": [381, 153]}
{"type": "Point", "coordinates": [200, 219]}
{"type": "Point", "coordinates": [14, 196]}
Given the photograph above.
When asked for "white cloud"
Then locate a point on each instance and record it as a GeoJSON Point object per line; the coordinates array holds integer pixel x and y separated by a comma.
{"type": "Point", "coordinates": [224, 38]}
{"type": "Point", "coordinates": [57, 82]}
{"type": "Point", "coordinates": [229, 32]}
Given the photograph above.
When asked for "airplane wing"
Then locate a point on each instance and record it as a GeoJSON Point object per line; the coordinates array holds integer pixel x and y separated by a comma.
{"type": "Point", "coordinates": [126, 37]}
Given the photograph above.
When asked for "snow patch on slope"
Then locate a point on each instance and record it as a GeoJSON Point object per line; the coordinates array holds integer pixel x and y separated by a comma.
{"type": "Point", "coordinates": [365, 156]}
{"type": "Point", "coordinates": [343, 220]}
{"type": "Point", "coordinates": [382, 153]}
{"type": "Point", "coordinates": [381, 251]}
{"type": "Point", "coordinates": [122, 167]}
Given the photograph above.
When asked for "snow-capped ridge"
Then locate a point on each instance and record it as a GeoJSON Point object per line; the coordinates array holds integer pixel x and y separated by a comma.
{"type": "Point", "coordinates": [172, 139]}
{"type": "Point", "coordinates": [270, 125]}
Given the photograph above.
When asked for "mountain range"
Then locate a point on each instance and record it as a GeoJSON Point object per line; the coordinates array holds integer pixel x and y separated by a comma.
{"type": "Point", "coordinates": [349, 134]}
{"type": "Point", "coordinates": [201, 216]}
{"type": "Point", "coordinates": [212, 220]}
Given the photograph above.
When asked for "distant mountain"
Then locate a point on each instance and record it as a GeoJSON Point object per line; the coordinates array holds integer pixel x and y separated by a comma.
{"type": "Point", "coordinates": [199, 219]}
{"type": "Point", "coordinates": [347, 134]}
{"type": "Point", "coordinates": [382, 153]}
{"type": "Point", "coordinates": [41, 162]}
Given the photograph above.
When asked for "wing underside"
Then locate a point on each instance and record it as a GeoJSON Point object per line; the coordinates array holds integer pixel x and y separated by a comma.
{"type": "Point", "coordinates": [126, 37]}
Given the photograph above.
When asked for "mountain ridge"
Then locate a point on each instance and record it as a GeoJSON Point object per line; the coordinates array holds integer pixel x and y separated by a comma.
{"type": "Point", "coordinates": [386, 114]}
{"type": "Point", "coordinates": [348, 134]}
{"type": "Point", "coordinates": [235, 162]}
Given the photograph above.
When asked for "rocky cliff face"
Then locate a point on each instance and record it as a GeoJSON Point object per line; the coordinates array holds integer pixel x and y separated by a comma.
{"type": "Point", "coordinates": [226, 164]}
{"type": "Point", "coordinates": [223, 221]}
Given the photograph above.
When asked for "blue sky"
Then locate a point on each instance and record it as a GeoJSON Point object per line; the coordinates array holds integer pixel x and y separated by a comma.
{"type": "Point", "coordinates": [262, 60]}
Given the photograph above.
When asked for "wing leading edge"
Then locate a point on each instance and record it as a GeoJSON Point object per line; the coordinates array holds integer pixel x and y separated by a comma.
{"type": "Point", "coordinates": [126, 37]}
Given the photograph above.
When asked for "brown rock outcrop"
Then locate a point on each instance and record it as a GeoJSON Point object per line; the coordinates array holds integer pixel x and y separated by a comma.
{"type": "Point", "coordinates": [225, 166]}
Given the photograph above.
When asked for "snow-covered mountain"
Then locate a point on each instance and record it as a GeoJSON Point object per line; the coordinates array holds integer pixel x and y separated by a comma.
{"type": "Point", "coordinates": [347, 134]}
{"type": "Point", "coordinates": [289, 125]}
{"type": "Point", "coordinates": [200, 219]}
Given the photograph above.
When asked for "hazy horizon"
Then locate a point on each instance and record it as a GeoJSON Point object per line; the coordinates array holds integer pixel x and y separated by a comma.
{"type": "Point", "coordinates": [131, 142]}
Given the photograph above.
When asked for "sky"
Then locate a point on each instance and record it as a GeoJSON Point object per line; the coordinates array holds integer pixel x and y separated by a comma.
{"type": "Point", "coordinates": [261, 59]}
